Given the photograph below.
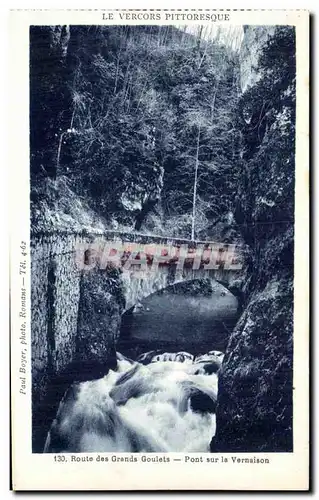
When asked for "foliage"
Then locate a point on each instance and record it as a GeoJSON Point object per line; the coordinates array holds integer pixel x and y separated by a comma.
{"type": "Point", "coordinates": [266, 113]}
{"type": "Point", "coordinates": [149, 120]}
{"type": "Point", "coordinates": [141, 105]}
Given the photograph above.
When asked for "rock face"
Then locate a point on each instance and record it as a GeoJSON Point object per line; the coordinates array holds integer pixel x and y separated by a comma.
{"type": "Point", "coordinates": [139, 197]}
{"type": "Point", "coordinates": [255, 385]}
{"type": "Point", "coordinates": [100, 309]}
{"type": "Point", "coordinates": [254, 411]}
{"type": "Point", "coordinates": [253, 41]}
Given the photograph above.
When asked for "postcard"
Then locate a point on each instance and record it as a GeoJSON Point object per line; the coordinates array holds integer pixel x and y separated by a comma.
{"type": "Point", "coordinates": [159, 165]}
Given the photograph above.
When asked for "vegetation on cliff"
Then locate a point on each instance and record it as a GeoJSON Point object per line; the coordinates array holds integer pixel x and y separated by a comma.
{"type": "Point", "coordinates": [255, 387]}
{"type": "Point", "coordinates": [146, 129]}
{"type": "Point", "coordinates": [141, 123]}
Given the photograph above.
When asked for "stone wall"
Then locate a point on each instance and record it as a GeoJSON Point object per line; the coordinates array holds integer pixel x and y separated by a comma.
{"type": "Point", "coordinates": [75, 321]}
{"type": "Point", "coordinates": [55, 296]}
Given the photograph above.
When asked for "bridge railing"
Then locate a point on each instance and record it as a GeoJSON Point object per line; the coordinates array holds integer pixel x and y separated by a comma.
{"type": "Point", "coordinates": [147, 252]}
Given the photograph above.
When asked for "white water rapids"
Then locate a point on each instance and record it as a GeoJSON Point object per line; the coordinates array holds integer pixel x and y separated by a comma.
{"type": "Point", "coordinates": [165, 405]}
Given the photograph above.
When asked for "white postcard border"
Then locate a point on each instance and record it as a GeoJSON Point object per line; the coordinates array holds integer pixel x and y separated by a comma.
{"type": "Point", "coordinates": [40, 471]}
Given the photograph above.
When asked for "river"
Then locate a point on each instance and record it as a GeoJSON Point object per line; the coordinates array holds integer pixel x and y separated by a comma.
{"type": "Point", "coordinates": [167, 404]}
{"type": "Point", "coordinates": [162, 395]}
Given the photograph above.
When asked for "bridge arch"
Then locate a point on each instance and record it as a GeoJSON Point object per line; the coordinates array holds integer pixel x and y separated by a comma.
{"type": "Point", "coordinates": [141, 285]}
{"type": "Point", "coordinates": [194, 317]}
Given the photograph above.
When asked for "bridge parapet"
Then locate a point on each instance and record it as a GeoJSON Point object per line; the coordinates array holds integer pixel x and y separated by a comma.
{"type": "Point", "coordinates": [147, 263]}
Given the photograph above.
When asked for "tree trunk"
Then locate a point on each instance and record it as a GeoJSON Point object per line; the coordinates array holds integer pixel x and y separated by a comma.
{"type": "Point", "coordinates": [195, 186]}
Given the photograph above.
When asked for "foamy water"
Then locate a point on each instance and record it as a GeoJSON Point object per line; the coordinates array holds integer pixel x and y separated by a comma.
{"type": "Point", "coordinates": [161, 406]}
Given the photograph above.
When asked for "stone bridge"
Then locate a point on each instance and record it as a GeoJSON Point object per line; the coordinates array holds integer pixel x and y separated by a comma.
{"type": "Point", "coordinates": [82, 283]}
{"type": "Point", "coordinates": [151, 263]}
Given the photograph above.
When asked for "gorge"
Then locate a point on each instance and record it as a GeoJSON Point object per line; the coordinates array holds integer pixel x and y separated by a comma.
{"type": "Point", "coordinates": [118, 123]}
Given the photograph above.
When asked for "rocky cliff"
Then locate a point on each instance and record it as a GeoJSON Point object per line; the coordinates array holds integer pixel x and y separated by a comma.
{"type": "Point", "coordinates": [254, 39]}
{"type": "Point", "coordinates": [254, 410]}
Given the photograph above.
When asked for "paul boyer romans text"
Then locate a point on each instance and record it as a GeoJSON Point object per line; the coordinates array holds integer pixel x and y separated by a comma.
{"type": "Point", "coordinates": [23, 318]}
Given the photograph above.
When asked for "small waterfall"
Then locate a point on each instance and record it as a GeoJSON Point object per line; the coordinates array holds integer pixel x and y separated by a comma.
{"type": "Point", "coordinates": [162, 402]}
